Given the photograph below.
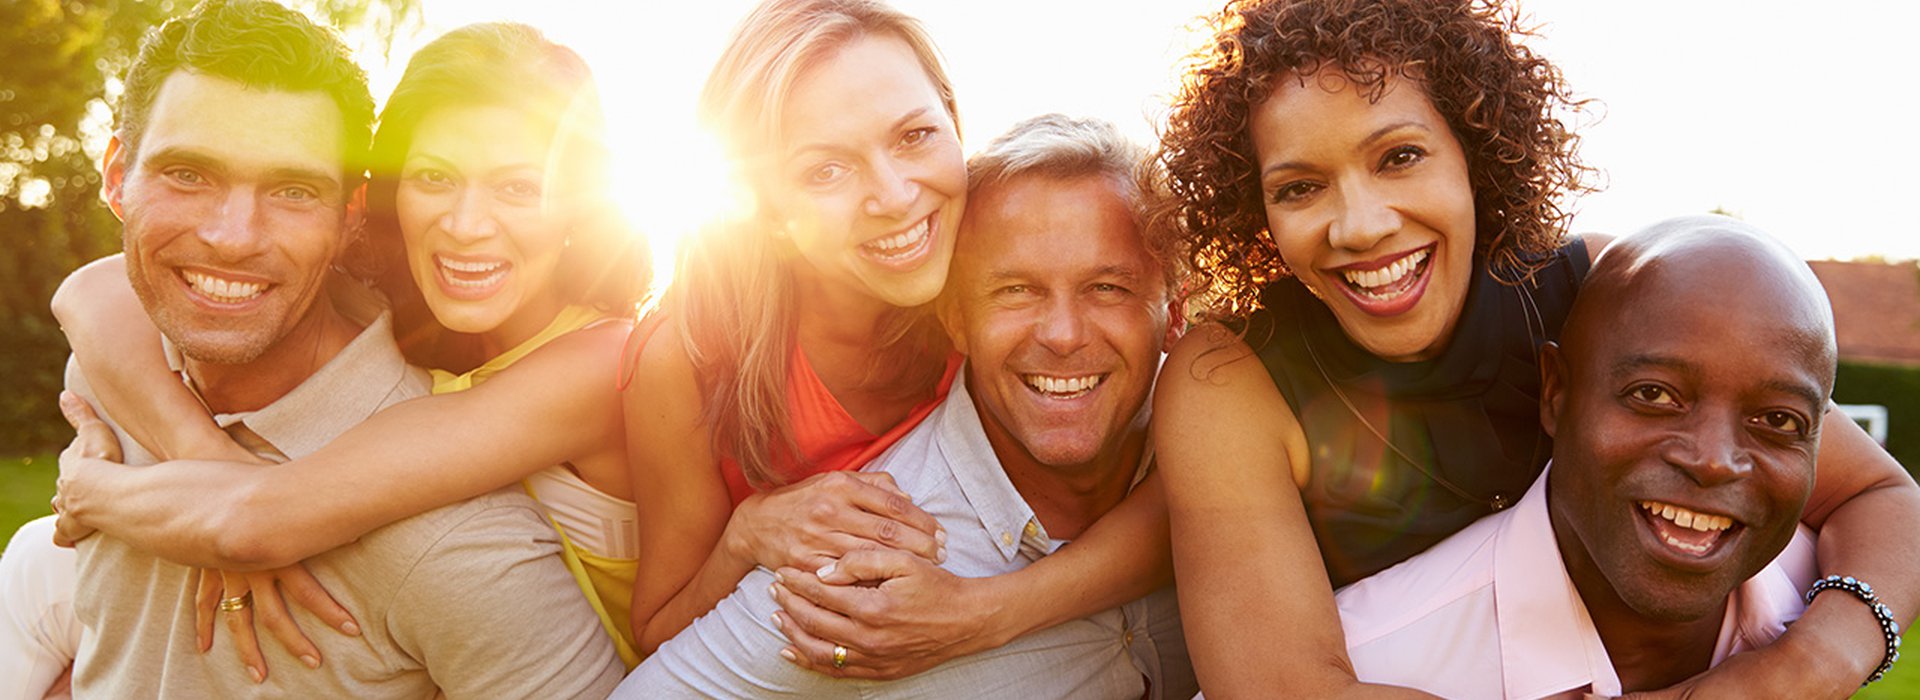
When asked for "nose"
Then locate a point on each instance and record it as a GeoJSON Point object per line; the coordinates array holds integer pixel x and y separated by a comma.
{"type": "Point", "coordinates": [892, 189]}
{"type": "Point", "coordinates": [1366, 215]}
{"type": "Point", "coordinates": [471, 217]}
{"type": "Point", "coordinates": [1062, 326]}
{"type": "Point", "coordinates": [1709, 450]}
{"type": "Point", "coordinates": [235, 230]}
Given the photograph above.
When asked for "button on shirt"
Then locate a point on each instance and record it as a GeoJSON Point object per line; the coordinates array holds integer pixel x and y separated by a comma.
{"type": "Point", "coordinates": [947, 466]}
{"type": "Point", "coordinates": [1490, 613]}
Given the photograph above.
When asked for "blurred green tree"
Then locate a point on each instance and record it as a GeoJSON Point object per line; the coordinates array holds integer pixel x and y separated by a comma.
{"type": "Point", "coordinates": [60, 64]}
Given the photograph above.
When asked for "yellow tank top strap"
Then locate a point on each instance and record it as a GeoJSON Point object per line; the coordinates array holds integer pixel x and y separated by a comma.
{"type": "Point", "coordinates": [601, 582]}
{"type": "Point", "coordinates": [569, 319]}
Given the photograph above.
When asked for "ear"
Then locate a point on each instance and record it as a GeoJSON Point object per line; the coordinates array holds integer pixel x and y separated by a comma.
{"type": "Point", "coordinates": [356, 210]}
{"type": "Point", "coordinates": [113, 170]}
{"type": "Point", "coordinates": [1176, 323]}
{"type": "Point", "coordinates": [948, 311]}
{"type": "Point", "coordinates": [1553, 386]}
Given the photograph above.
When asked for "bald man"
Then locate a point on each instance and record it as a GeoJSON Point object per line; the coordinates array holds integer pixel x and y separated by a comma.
{"type": "Point", "coordinates": [1664, 536]}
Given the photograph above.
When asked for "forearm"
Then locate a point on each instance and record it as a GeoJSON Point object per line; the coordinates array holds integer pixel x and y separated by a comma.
{"type": "Point", "coordinates": [716, 579]}
{"type": "Point", "coordinates": [148, 508]}
{"type": "Point", "coordinates": [1863, 538]}
{"type": "Point", "coordinates": [1121, 558]}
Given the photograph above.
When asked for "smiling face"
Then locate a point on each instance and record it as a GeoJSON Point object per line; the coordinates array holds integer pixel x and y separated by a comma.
{"type": "Point", "coordinates": [232, 211]}
{"type": "Point", "coordinates": [1061, 312]}
{"type": "Point", "coordinates": [484, 232]}
{"type": "Point", "coordinates": [870, 182]}
{"type": "Point", "coordinates": [1681, 466]}
{"type": "Point", "coordinates": [1370, 206]}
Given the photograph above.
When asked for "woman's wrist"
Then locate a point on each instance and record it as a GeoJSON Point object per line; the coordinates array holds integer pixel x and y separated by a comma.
{"type": "Point", "coordinates": [1005, 616]}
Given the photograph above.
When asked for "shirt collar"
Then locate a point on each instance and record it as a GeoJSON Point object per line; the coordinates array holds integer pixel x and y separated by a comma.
{"type": "Point", "coordinates": [962, 440]}
{"type": "Point", "coordinates": [341, 394]}
{"type": "Point", "coordinates": [1548, 643]}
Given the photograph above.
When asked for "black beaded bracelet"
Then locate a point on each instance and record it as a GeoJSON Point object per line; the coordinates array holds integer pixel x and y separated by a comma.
{"type": "Point", "coordinates": [1881, 612]}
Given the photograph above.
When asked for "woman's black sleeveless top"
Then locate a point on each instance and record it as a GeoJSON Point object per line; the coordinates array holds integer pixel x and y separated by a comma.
{"type": "Point", "coordinates": [1470, 417]}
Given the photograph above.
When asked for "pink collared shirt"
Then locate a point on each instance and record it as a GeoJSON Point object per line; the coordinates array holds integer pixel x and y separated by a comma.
{"type": "Point", "coordinates": [1491, 613]}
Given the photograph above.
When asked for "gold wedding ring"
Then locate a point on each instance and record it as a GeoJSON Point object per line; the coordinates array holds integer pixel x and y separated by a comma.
{"type": "Point", "coordinates": [236, 603]}
{"type": "Point", "coordinates": [839, 656]}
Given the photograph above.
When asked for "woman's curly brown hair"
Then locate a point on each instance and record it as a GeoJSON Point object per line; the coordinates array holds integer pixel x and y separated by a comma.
{"type": "Point", "coordinates": [1501, 101]}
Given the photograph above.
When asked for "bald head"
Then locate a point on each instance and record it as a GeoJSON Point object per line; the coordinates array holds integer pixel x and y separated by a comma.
{"type": "Point", "coordinates": [1706, 262]}
{"type": "Point", "coordinates": [1685, 399]}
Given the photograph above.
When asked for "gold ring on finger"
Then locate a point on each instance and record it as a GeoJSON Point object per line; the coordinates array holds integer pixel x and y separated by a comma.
{"type": "Point", "coordinates": [839, 656]}
{"type": "Point", "coordinates": [236, 603]}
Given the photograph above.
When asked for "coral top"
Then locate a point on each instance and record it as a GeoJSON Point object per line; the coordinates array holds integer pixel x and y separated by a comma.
{"type": "Point", "coordinates": [829, 438]}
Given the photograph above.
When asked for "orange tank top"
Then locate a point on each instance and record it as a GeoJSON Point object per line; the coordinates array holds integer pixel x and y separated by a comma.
{"type": "Point", "coordinates": [827, 435]}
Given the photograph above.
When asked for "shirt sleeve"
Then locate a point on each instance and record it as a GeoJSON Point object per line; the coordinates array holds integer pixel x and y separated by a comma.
{"type": "Point", "coordinates": [491, 612]}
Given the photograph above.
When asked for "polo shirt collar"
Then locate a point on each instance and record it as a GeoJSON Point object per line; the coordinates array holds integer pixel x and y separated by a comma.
{"type": "Point", "coordinates": [341, 394]}
{"type": "Point", "coordinates": [976, 469]}
{"type": "Point", "coordinates": [1548, 643]}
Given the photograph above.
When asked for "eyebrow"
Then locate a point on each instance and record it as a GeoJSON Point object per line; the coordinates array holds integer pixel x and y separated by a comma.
{"type": "Point", "coordinates": [804, 149]}
{"type": "Point", "coordinates": [1125, 272]}
{"type": "Point", "coordinates": [1636, 361]}
{"type": "Point", "coordinates": [189, 156]}
{"type": "Point", "coordinates": [448, 164]}
{"type": "Point", "coordinates": [1371, 139]}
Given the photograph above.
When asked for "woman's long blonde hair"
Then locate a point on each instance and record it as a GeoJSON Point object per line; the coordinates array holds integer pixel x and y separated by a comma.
{"type": "Point", "coordinates": [733, 291]}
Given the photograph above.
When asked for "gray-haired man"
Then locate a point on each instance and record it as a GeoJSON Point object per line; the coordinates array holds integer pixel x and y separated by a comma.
{"type": "Point", "coordinates": [1062, 314]}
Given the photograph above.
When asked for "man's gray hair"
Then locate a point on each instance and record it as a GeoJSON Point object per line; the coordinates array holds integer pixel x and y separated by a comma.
{"type": "Point", "coordinates": [1059, 146]}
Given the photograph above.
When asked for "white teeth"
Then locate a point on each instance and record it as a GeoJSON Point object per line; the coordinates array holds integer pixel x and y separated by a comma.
{"type": "Point", "coordinates": [1063, 387]}
{"type": "Point", "coordinates": [1367, 280]}
{"type": "Point", "coordinates": [902, 242]}
{"type": "Point", "coordinates": [494, 271]}
{"type": "Point", "coordinates": [470, 267]}
{"type": "Point", "coordinates": [1691, 520]}
{"type": "Point", "coordinates": [222, 290]}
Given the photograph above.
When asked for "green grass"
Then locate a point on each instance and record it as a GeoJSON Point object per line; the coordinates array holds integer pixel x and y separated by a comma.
{"type": "Point", "coordinates": [26, 484]}
{"type": "Point", "coordinates": [1902, 683]}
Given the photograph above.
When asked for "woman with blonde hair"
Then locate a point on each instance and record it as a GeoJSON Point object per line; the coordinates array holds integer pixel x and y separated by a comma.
{"type": "Point", "coordinates": [796, 344]}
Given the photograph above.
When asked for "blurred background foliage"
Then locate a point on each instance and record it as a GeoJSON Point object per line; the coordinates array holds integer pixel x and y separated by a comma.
{"type": "Point", "coordinates": [60, 63]}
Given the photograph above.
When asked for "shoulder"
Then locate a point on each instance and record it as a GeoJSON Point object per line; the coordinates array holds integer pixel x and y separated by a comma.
{"type": "Point", "coordinates": [477, 533]}
{"type": "Point", "coordinates": [1213, 370]}
{"type": "Point", "coordinates": [655, 361]}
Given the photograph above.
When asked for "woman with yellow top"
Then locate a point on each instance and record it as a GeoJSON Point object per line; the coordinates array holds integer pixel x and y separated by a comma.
{"type": "Point", "coordinates": [489, 185]}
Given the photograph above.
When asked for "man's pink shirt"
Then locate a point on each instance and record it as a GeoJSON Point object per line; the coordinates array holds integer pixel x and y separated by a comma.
{"type": "Point", "coordinates": [1491, 613]}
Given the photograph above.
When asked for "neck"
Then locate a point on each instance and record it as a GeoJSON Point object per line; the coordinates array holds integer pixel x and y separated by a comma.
{"type": "Point", "coordinates": [1647, 653]}
{"type": "Point", "coordinates": [1069, 498]}
{"type": "Point", "coordinates": [833, 315]}
{"type": "Point", "coordinates": [523, 325]}
{"type": "Point", "coordinates": [252, 385]}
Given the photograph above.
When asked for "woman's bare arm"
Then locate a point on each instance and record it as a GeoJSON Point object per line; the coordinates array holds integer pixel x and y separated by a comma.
{"type": "Point", "coordinates": [553, 406]}
{"type": "Point", "coordinates": [1254, 599]}
{"type": "Point", "coordinates": [697, 546]}
{"type": "Point", "coordinates": [118, 349]}
{"type": "Point", "coordinates": [682, 500]}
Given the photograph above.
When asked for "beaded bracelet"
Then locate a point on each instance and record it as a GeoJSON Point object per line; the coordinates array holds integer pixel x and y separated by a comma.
{"type": "Point", "coordinates": [1881, 613]}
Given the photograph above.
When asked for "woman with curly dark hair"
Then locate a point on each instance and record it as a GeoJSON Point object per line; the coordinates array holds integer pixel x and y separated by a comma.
{"type": "Point", "coordinates": [1370, 199]}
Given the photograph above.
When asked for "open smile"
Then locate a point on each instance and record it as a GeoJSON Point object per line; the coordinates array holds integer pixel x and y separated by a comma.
{"type": "Point", "coordinates": [1688, 535]}
{"type": "Point", "coordinates": [1387, 286]}
{"type": "Point", "coordinates": [222, 290]}
{"type": "Point", "coordinates": [904, 249]}
{"type": "Point", "coordinates": [470, 278]}
{"type": "Point", "coordinates": [1063, 388]}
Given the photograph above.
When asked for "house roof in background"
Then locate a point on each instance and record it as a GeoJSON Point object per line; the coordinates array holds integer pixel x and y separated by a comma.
{"type": "Point", "coordinates": [1876, 309]}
